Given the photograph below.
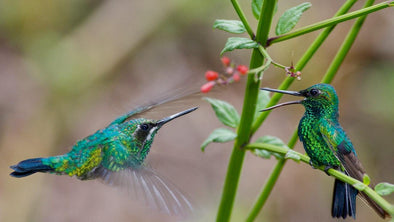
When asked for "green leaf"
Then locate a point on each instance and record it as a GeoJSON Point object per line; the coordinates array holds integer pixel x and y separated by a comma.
{"type": "Point", "coordinates": [290, 18]}
{"type": "Point", "coordinates": [220, 135]}
{"type": "Point", "coordinates": [262, 100]}
{"type": "Point", "coordinates": [384, 189]}
{"type": "Point", "coordinates": [238, 43]}
{"type": "Point", "coordinates": [262, 153]}
{"type": "Point", "coordinates": [225, 112]}
{"type": "Point", "coordinates": [257, 5]}
{"type": "Point", "coordinates": [360, 186]}
{"type": "Point", "coordinates": [272, 140]}
{"type": "Point", "coordinates": [232, 26]}
{"type": "Point", "coordinates": [269, 140]}
{"type": "Point", "coordinates": [366, 179]}
{"type": "Point", "coordinates": [256, 8]}
{"type": "Point", "coordinates": [291, 154]}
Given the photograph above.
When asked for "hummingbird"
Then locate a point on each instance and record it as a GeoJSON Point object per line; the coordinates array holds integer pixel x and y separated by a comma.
{"type": "Point", "coordinates": [327, 144]}
{"type": "Point", "coordinates": [116, 155]}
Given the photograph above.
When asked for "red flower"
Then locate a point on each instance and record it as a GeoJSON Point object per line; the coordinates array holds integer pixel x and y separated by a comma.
{"type": "Point", "coordinates": [207, 87]}
{"type": "Point", "coordinates": [236, 77]}
{"type": "Point", "coordinates": [242, 69]}
{"type": "Point", "coordinates": [225, 60]}
{"type": "Point", "coordinates": [211, 75]}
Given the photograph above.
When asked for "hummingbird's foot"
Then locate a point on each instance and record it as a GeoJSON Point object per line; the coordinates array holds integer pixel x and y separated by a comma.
{"type": "Point", "coordinates": [314, 166]}
{"type": "Point", "coordinates": [326, 168]}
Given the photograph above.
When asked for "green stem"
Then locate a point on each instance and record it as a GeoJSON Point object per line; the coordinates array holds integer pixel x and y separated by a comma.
{"type": "Point", "coordinates": [242, 16]}
{"type": "Point", "coordinates": [330, 22]}
{"type": "Point", "coordinates": [335, 173]}
{"type": "Point", "coordinates": [249, 106]}
{"type": "Point", "coordinates": [345, 47]}
{"type": "Point", "coordinates": [265, 65]}
{"type": "Point", "coordinates": [267, 188]}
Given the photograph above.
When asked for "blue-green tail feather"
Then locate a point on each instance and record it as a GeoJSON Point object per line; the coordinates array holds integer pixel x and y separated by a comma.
{"type": "Point", "coordinates": [344, 200]}
{"type": "Point", "coordinates": [28, 167]}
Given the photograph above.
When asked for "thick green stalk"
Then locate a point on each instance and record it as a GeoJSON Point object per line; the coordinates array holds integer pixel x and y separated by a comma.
{"type": "Point", "coordinates": [337, 174]}
{"type": "Point", "coordinates": [330, 22]}
{"type": "Point", "coordinates": [267, 188]}
{"type": "Point", "coordinates": [249, 106]}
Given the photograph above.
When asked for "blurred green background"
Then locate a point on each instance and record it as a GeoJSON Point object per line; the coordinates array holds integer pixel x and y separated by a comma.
{"type": "Point", "coordinates": [68, 68]}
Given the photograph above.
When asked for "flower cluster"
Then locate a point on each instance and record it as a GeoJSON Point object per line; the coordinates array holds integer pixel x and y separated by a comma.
{"type": "Point", "coordinates": [232, 73]}
{"type": "Point", "coordinates": [290, 71]}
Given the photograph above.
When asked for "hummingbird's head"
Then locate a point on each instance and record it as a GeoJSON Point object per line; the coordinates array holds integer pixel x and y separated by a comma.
{"type": "Point", "coordinates": [319, 99]}
{"type": "Point", "coordinates": [146, 129]}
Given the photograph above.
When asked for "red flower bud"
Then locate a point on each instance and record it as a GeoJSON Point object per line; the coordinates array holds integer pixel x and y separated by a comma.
{"type": "Point", "coordinates": [236, 77]}
{"type": "Point", "coordinates": [207, 87]}
{"type": "Point", "coordinates": [225, 60]}
{"type": "Point", "coordinates": [242, 69]}
{"type": "Point", "coordinates": [211, 75]}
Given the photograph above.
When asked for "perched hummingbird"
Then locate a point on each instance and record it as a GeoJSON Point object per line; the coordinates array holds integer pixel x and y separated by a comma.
{"type": "Point", "coordinates": [116, 155]}
{"type": "Point", "coordinates": [327, 144]}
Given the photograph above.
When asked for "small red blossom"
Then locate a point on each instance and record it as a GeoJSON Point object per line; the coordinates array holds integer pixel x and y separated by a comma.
{"type": "Point", "coordinates": [242, 69]}
{"type": "Point", "coordinates": [236, 77]}
{"type": "Point", "coordinates": [211, 75]}
{"type": "Point", "coordinates": [207, 86]}
{"type": "Point", "coordinates": [225, 60]}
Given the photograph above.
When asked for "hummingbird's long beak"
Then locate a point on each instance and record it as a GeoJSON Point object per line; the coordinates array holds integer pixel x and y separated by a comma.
{"type": "Point", "coordinates": [169, 118]}
{"type": "Point", "coordinates": [293, 93]}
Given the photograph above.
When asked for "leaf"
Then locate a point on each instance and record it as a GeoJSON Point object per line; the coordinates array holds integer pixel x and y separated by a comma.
{"type": "Point", "coordinates": [272, 140]}
{"type": "Point", "coordinates": [232, 26]}
{"type": "Point", "coordinates": [238, 43]}
{"type": "Point", "coordinates": [262, 101]}
{"type": "Point", "coordinates": [220, 135]}
{"type": "Point", "coordinates": [256, 8]}
{"type": "Point", "coordinates": [384, 188]}
{"type": "Point", "coordinates": [290, 18]}
{"type": "Point", "coordinates": [262, 153]}
{"type": "Point", "coordinates": [366, 179]}
{"type": "Point", "coordinates": [225, 112]}
{"type": "Point", "coordinates": [360, 186]}
{"type": "Point", "coordinates": [291, 154]}
{"type": "Point", "coordinates": [269, 140]}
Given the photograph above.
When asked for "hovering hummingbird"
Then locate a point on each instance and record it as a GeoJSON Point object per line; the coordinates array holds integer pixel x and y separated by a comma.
{"type": "Point", "coordinates": [116, 156]}
{"type": "Point", "coordinates": [327, 144]}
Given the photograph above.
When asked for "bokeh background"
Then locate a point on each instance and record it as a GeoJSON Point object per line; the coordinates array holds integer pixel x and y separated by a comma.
{"type": "Point", "coordinates": [68, 68]}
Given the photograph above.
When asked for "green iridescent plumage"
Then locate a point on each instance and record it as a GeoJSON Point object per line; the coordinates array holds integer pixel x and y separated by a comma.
{"type": "Point", "coordinates": [327, 144]}
{"type": "Point", "coordinates": [116, 155]}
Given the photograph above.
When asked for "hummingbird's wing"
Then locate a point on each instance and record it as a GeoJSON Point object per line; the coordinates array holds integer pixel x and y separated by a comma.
{"type": "Point", "coordinates": [341, 145]}
{"type": "Point", "coordinates": [143, 183]}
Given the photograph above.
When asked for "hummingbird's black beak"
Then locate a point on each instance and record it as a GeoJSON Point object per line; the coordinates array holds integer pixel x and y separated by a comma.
{"type": "Point", "coordinates": [293, 93]}
{"type": "Point", "coordinates": [169, 118]}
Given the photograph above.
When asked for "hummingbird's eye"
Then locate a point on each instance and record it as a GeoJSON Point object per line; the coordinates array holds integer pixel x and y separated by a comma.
{"type": "Point", "coordinates": [314, 92]}
{"type": "Point", "coordinates": [144, 126]}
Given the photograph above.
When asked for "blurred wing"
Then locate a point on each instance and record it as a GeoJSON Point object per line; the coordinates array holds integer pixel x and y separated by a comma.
{"type": "Point", "coordinates": [146, 185]}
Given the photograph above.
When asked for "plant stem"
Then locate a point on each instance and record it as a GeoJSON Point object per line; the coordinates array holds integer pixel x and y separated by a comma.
{"type": "Point", "coordinates": [345, 47]}
{"type": "Point", "coordinates": [335, 173]}
{"type": "Point", "coordinates": [242, 16]}
{"type": "Point", "coordinates": [249, 106]}
{"type": "Point", "coordinates": [330, 22]}
{"type": "Point", "coordinates": [267, 188]}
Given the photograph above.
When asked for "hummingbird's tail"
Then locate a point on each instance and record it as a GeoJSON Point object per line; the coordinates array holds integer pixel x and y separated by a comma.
{"type": "Point", "coordinates": [344, 200]}
{"type": "Point", "coordinates": [29, 166]}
